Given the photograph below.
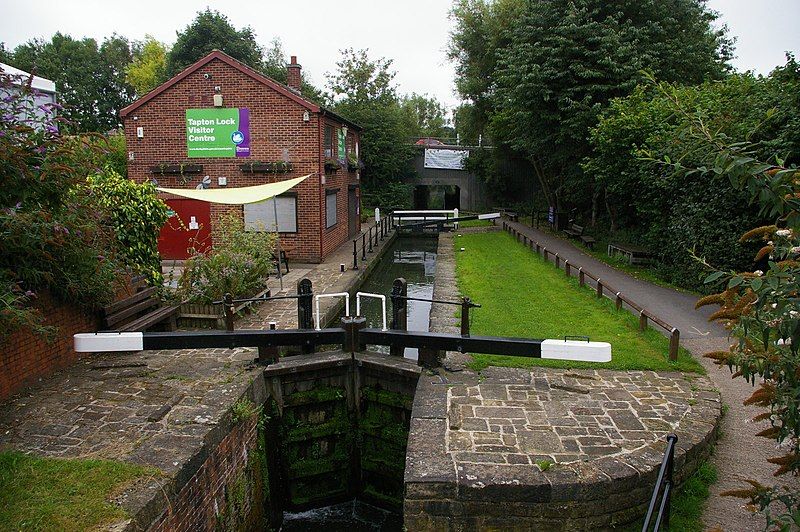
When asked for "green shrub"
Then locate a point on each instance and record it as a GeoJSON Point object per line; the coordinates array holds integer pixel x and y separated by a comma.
{"type": "Point", "coordinates": [239, 263]}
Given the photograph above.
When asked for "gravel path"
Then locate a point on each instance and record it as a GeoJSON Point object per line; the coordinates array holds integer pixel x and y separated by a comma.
{"type": "Point", "coordinates": [740, 454]}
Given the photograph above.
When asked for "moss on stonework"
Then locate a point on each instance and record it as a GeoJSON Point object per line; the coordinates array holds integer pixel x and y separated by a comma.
{"type": "Point", "coordinates": [317, 395]}
{"type": "Point", "coordinates": [387, 398]}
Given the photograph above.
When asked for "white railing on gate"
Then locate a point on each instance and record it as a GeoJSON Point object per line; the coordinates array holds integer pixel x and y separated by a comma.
{"type": "Point", "coordinates": [359, 295]}
{"type": "Point", "coordinates": [346, 297]}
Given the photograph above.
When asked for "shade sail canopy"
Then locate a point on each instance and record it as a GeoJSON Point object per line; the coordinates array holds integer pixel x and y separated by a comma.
{"type": "Point", "coordinates": [237, 196]}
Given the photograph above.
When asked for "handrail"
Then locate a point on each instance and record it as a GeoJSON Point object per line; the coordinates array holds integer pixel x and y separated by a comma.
{"type": "Point", "coordinates": [375, 232]}
{"type": "Point", "coordinates": [346, 296]}
{"type": "Point", "coordinates": [601, 286]}
{"type": "Point", "coordinates": [664, 480]}
{"type": "Point", "coordinates": [382, 297]}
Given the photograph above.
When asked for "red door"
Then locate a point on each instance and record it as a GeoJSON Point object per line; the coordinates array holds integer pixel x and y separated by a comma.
{"type": "Point", "coordinates": [187, 228]}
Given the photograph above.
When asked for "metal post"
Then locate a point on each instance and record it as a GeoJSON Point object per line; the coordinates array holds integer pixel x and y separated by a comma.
{"type": "Point", "coordinates": [305, 308]}
{"type": "Point", "coordinates": [671, 438]}
{"type": "Point", "coordinates": [278, 240]}
{"type": "Point", "coordinates": [227, 303]}
{"type": "Point", "coordinates": [399, 311]}
{"type": "Point", "coordinates": [268, 355]}
{"type": "Point", "coordinates": [355, 255]}
{"type": "Point", "coordinates": [370, 239]}
{"type": "Point", "coordinates": [466, 303]}
{"type": "Point", "coordinates": [363, 246]}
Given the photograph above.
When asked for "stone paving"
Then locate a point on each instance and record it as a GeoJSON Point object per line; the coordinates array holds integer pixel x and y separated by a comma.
{"type": "Point", "coordinates": [544, 448]}
{"type": "Point", "coordinates": [158, 408]}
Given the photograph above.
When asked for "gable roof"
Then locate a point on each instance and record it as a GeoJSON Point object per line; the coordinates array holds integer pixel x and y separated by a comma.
{"type": "Point", "coordinates": [238, 65]}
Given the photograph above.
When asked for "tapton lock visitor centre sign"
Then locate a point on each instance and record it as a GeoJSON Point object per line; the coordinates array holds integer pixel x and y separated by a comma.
{"type": "Point", "coordinates": [218, 132]}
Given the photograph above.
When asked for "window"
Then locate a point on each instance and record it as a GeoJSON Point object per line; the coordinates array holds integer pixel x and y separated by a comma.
{"type": "Point", "coordinates": [330, 208]}
{"type": "Point", "coordinates": [328, 144]}
{"type": "Point", "coordinates": [261, 216]}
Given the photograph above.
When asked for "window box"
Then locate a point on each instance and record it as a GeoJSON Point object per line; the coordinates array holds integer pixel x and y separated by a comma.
{"type": "Point", "coordinates": [332, 165]}
{"type": "Point", "coordinates": [259, 167]}
{"type": "Point", "coordinates": [176, 169]}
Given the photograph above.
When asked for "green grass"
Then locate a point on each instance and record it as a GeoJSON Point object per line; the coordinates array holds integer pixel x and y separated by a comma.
{"type": "Point", "coordinates": [64, 495]}
{"type": "Point", "coordinates": [523, 296]}
{"type": "Point", "coordinates": [475, 223]}
{"type": "Point", "coordinates": [688, 502]}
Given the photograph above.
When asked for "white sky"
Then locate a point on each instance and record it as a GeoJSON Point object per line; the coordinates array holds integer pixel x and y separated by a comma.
{"type": "Point", "coordinates": [414, 33]}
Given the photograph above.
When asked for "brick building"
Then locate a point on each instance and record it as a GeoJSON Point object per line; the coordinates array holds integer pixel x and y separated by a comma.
{"type": "Point", "coordinates": [219, 123]}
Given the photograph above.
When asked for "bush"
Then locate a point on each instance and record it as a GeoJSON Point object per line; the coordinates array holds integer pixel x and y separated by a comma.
{"type": "Point", "coordinates": [390, 196]}
{"type": "Point", "coordinates": [239, 263]}
{"type": "Point", "coordinates": [51, 231]}
{"type": "Point", "coordinates": [136, 215]}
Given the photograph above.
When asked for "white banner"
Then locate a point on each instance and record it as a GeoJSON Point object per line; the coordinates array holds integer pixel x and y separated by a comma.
{"type": "Point", "coordinates": [446, 159]}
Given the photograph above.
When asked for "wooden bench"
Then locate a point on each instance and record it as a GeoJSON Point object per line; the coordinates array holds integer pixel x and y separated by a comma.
{"type": "Point", "coordinates": [139, 312]}
{"type": "Point", "coordinates": [577, 231]}
{"type": "Point", "coordinates": [635, 254]}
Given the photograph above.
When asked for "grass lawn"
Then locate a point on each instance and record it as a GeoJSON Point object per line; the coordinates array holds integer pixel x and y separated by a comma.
{"type": "Point", "coordinates": [523, 296]}
{"type": "Point", "coordinates": [57, 494]}
{"type": "Point", "coordinates": [475, 223]}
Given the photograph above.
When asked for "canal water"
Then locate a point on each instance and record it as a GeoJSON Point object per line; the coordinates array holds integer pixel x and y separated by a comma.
{"type": "Point", "coordinates": [413, 258]}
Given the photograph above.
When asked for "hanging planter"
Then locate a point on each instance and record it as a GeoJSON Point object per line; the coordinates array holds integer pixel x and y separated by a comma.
{"type": "Point", "coordinates": [354, 164]}
{"type": "Point", "coordinates": [260, 167]}
{"type": "Point", "coordinates": [332, 165]}
{"type": "Point", "coordinates": [176, 169]}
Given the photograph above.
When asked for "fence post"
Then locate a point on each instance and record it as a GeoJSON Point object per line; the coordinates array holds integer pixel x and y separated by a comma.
{"type": "Point", "coordinates": [674, 343]}
{"type": "Point", "coordinates": [567, 268]}
{"type": "Point", "coordinates": [399, 311]}
{"type": "Point", "coordinates": [544, 253]}
{"type": "Point", "coordinates": [642, 321]}
{"type": "Point", "coordinates": [538, 248]}
{"type": "Point", "coordinates": [525, 240]}
{"type": "Point", "coordinates": [599, 288]}
{"type": "Point", "coordinates": [227, 302]}
{"type": "Point", "coordinates": [558, 261]}
{"type": "Point", "coordinates": [305, 312]}
{"type": "Point", "coordinates": [618, 301]}
{"type": "Point", "coordinates": [355, 254]}
{"type": "Point", "coordinates": [581, 277]}
{"type": "Point", "coordinates": [363, 246]}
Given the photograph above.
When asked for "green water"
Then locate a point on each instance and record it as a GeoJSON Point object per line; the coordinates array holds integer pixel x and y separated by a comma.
{"type": "Point", "coordinates": [413, 258]}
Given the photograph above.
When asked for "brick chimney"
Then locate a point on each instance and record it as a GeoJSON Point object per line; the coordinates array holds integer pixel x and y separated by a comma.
{"type": "Point", "coordinates": [293, 78]}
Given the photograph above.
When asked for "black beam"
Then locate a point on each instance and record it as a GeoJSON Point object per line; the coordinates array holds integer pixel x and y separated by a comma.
{"type": "Point", "coordinates": [492, 345]}
{"type": "Point", "coordinates": [241, 338]}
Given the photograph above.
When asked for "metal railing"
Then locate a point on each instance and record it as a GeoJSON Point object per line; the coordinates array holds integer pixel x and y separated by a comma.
{"type": "Point", "coordinates": [664, 486]}
{"type": "Point", "coordinates": [369, 238]}
{"type": "Point", "coordinates": [602, 288]}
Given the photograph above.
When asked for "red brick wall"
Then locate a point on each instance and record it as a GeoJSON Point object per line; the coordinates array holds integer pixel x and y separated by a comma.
{"type": "Point", "coordinates": [26, 357]}
{"type": "Point", "coordinates": [202, 503]}
{"type": "Point", "coordinates": [276, 123]}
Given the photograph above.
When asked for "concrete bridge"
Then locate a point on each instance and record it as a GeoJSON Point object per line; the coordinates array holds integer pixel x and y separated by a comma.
{"type": "Point", "coordinates": [446, 188]}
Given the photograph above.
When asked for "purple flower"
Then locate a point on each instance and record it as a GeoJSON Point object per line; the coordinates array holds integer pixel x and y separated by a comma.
{"type": "Point", "coordinates": [30, 293]}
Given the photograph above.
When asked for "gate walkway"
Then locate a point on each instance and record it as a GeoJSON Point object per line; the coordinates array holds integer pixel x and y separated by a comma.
{"type": "Point", "coordinates": [739, 453]}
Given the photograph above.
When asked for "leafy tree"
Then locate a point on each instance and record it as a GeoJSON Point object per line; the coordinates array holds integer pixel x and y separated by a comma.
{"type": "Point", "coordinates": [668, 212]}
{"type": "Point", "coordinates": [363, 92]}
{"type": "Point", "coordinates": [424, 116]}
{"type": "Point", "coordinates": [148, 69]}
{"type": "Point", "coordinates": [538, 73]}
{"type": "Point", "coordinates": [274, 66]}
{"type": "Point", "coordinates": [90, 79]}
{"type": "Point", "coordinates": [208, 31]}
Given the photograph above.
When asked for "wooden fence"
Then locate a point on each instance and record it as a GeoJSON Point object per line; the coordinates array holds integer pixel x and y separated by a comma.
{"type": "Point", "coordinates": [602, 288]}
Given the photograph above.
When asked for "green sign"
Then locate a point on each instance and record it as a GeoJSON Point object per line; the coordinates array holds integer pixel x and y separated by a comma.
{"type": "Point", "coordinates": [342, 154]}
{"type": "Point", "coordinates": [218, 132]}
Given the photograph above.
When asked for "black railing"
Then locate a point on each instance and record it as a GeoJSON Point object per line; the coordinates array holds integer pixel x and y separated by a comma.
{"type": "Point", "coordinates": [369, 238]}
{"type": "Point", "coordinates": [664, 486]}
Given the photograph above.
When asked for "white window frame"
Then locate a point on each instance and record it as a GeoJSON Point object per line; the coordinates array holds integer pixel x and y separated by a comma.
{"type": "Point", "coordinates": [328, 194]}
{"type": "Point", "coordinates": [260, 216]}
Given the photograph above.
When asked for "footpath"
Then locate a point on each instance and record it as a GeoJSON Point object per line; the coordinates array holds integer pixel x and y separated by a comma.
{"type": "Point", "coordinates": [739, 454]}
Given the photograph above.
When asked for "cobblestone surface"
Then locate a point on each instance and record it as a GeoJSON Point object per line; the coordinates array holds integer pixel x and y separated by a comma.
{"type": "Point", "coordinates": [158, 408]}
{"type": "Point", "coordinates": [544, 448]}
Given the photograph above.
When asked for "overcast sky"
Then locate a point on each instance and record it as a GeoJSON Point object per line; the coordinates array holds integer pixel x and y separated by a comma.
{"type": "Point", "coordinates": [414, 33]}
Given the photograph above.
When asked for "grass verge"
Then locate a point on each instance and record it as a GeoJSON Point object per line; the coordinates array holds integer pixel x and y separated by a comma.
{"type": "Point", "coordinates": [64, 495]}
{"type": "Point", "coordinates": [687, 504]}
{"type": "Point", "coordinates": [523, 296]}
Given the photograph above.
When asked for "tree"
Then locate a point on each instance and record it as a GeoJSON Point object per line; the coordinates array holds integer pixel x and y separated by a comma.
{"type": "Point", "coordinates": [424, 116]}
{"type": "Point", "coordinates": [274, 66]}
{"type": "Point", "coordinates": [212, 30]}
{"type": "Point", "coordinates": [148, 69]}
{"type": "Point", "coordinates": [538, 73]}
{"type": "Point", "coordinates": [363, 92]}
{"type": "Point", "coordinates": [90, 79]}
